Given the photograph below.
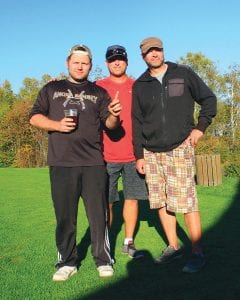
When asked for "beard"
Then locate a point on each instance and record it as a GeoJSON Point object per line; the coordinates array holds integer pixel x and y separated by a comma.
{"type": "Point", "coordinates": [155, 65]}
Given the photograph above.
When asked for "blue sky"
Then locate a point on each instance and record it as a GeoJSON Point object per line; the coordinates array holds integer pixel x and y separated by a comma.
{"type": "Point", "coordinates": [36, 35]}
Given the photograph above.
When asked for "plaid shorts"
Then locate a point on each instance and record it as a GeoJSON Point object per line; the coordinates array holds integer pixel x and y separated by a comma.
{"type": "Point", "coordinates": [170, 179]}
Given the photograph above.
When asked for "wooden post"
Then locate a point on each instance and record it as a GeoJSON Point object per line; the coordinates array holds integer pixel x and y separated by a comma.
{"type": "Point", "coordinates": [208, 170]}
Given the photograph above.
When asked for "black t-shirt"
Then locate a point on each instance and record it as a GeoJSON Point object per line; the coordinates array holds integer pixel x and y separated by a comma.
{"type": "Point", "coordinates": [83, 146]}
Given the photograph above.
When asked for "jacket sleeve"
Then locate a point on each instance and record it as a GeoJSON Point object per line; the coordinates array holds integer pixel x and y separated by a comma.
{"type": "Point", "coordinates": [207, 100]}
{"type": "Point", "coordinates": [137, 120]}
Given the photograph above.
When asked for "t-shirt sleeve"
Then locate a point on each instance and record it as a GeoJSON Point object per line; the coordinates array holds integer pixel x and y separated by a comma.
{"type": "Point", "coordinates": [103, 108]}
{"type": "Point", "coordinates": [41, 106]}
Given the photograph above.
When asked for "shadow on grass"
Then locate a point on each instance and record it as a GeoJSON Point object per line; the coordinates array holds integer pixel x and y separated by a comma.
{"type": "Point", "coordinates": [218, 280]}
{"type": "Point", "coordinates": [145, 214]}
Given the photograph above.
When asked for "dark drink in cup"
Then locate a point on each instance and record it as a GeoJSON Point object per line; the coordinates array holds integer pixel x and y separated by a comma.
{"type": "Point", "coordinates": [72, 113]}
{"type": "Point", "coordinates": [74, 118]}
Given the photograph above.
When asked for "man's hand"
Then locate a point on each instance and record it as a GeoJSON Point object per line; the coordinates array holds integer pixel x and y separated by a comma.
{"type": "Point", "coordinates": [66, 125]}
{"type": "Point", "coordinates": [115, 106]}
{"type": "Point", "coordinates": [194, 137]}
{"type": "Point", "coordinates": [140, 166]}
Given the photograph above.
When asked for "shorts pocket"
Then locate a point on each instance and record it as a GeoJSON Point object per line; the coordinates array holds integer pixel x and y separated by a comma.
{"type": "Point", "coordinates": [183, 151]}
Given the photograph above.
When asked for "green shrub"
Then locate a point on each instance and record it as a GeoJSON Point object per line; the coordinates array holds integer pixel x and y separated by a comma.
{"type": "Point", "coordinates": [232, 170]}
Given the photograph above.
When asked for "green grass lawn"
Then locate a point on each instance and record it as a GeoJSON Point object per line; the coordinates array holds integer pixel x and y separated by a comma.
{"type": "Point", "coordinates": [28, 254]}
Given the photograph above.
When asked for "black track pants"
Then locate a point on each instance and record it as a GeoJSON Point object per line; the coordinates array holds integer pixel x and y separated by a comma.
{"type": "Point", "coordinates": [67, 185]}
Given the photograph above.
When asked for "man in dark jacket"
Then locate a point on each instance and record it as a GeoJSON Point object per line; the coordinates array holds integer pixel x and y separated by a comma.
{"type": "Point", "coordinates": [164, 137]}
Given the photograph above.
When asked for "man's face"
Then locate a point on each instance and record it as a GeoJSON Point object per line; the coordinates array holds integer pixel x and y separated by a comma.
{"type": "Point", "coordinates": [117, 67]}
{"type": "Point", "coordinates": [154, 58]}
{"type": "Point", "coordinates": [79, 66]}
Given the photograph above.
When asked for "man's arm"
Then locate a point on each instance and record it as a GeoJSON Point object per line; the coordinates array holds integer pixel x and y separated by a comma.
{"type": "Point", "coordinates": [40, 110]}
{"type": "Point", "coordinates": [137, 121]}
{"type": "Point", "coordinates": [43, 122]}
{"type": "Point", "coordinates": [207, 100]}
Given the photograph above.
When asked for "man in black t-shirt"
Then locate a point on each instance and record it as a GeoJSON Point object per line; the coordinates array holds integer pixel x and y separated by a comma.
{"type": "Point", "coordinates": [75, 158]}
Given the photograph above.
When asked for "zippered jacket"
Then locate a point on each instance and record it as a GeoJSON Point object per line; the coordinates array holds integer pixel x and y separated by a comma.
{"type": "Point", "coordinates": [163, 114]}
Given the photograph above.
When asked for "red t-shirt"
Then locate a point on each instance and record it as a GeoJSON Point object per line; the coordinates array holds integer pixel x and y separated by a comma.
{"type": "Point", "coordinates": [117, 144]}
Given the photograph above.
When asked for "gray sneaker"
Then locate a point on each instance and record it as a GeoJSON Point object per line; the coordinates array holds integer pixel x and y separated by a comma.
{"type": "Point", "coordinates": [168, 255]}
{"type": "Point", "coordinates": [132, 251]}
{"type": "Point", "coordinates": [195, 263]}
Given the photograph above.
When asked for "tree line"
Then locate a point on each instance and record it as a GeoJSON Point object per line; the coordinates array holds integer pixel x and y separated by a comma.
{"type": "Point", "coordinates": [22, 145]}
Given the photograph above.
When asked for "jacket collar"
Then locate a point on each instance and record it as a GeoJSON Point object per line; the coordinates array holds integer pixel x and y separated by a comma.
{"type": "Point", "coordinates": [147, 77]}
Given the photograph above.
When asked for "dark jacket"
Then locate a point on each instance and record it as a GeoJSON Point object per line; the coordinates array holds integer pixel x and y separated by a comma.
{"type": "Point", "coordinates": [163, 113]}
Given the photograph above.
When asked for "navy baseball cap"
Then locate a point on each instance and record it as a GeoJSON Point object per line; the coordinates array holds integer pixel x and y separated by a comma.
{"type": "Point", "coordinates": [116, 52]}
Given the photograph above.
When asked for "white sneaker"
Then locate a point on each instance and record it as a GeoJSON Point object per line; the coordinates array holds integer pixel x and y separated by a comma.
{"type": "Point", "coordinates": [64, 273]}
{"type": "Point", "coordinates": [105, 271]}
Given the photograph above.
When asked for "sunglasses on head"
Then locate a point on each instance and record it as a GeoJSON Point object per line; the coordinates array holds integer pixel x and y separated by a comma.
{"type": "Point", "coordinates": [79, 48]}
{"type": "Point", "coordinates": [114, 52]}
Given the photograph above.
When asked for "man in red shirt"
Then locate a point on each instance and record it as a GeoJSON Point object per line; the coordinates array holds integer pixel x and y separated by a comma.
{"type": "Point", "coordinates": [118, 147]}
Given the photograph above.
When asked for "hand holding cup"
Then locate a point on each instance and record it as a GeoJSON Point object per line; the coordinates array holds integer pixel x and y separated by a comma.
{"type": "Point", "coordinates": [70, 122]}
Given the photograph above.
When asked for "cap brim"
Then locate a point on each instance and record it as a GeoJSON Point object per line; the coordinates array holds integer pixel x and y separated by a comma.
{"type": "Point", "coordinates": [115, 57]}
{"type": "Point", "coordinates": [152, 46]}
